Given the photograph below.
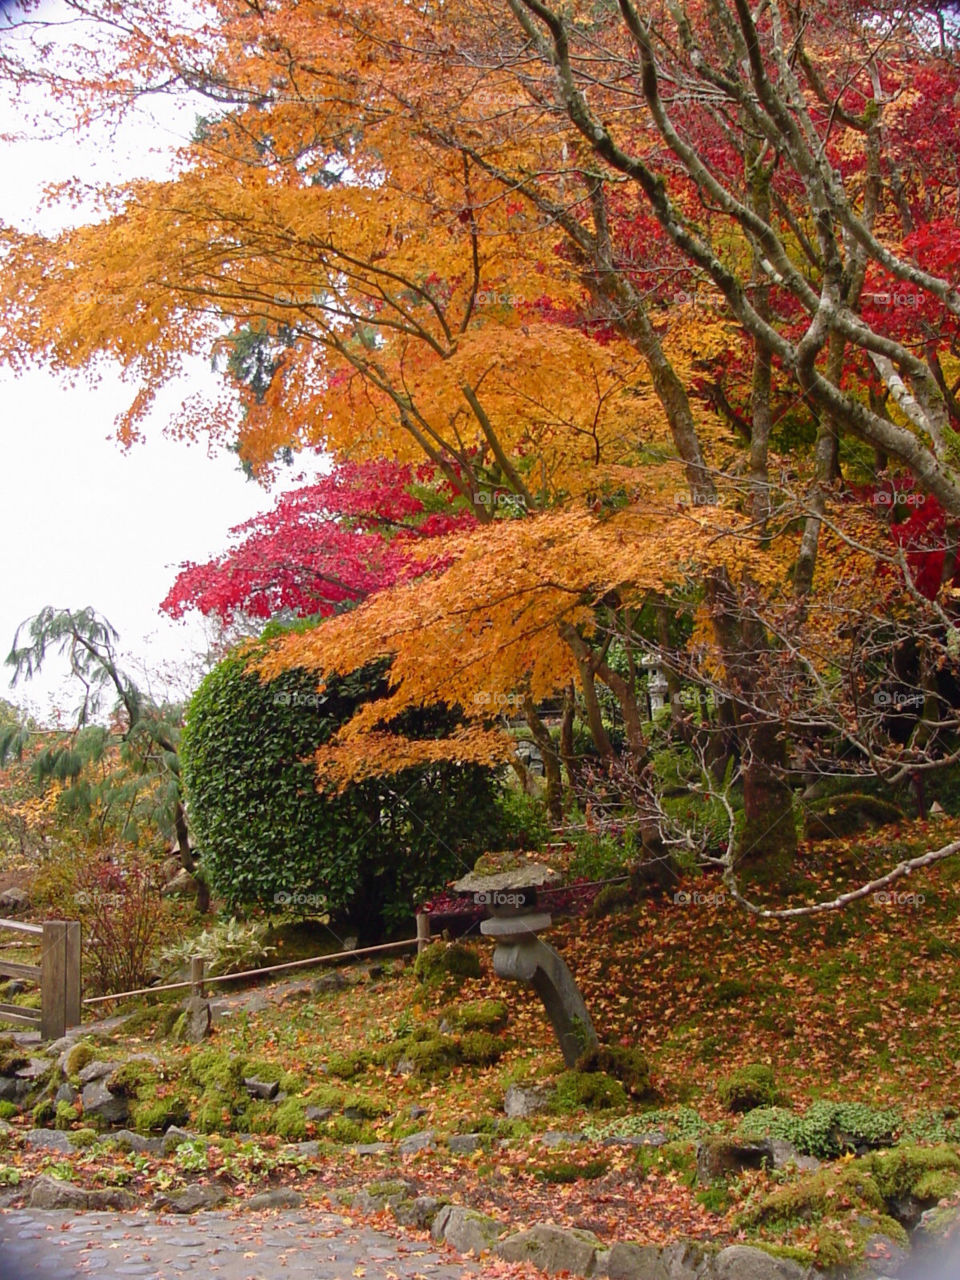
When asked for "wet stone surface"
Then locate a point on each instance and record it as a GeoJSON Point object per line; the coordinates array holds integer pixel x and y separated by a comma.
{"type": "Point", "coordinates": [295, 1245]}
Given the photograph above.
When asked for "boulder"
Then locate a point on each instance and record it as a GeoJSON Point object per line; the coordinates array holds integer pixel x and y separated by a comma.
{"type": "Point", "coordinates": [52, 1193]}
{"type": "Point", "coordinates": [557, 1138]}
{"type": "Point", "coordinates": [720, 1157]}
{"type": "Point", "coordinates": [101, 1104]}
{"type": "Point", "coordinates": [318, 1113]}
{"type": "Point", "coordinates": [173, 1137]}
{"type": "Point", "coordinates": [526, 1100]}
{"type": "Point", "coordinates": [332, 981]}
{"type": "Point", "coordinates": [420, 1213]}
{"type": "Point", "coordinates": [14, 899]}
{"type": "Point", "coordinates": [464, 1144]}
{"type": "Point", "coordinates": [465, 1230]}
{"type": "Point", "coordinates": [66, 1093]}
{"type": "Point", "coordinates": [885, 1255]}
{"type": "Point", "coordinates": [423, 1141]}
{"type": "Point", "coordinates": [387, 1194]}
{"type": "Point", "coordinates": [97, 1071]}
{"type": "Point", "coordinates": [192, 1199]}
{"type": "Point", "coordinates": [48, 1140]}
{"type": "Point", "coordinates": [681, 1261]}
{"type": "Point", "coordinates": [936, 1227]}
{"type": "Point", "coordinates": [265, 1089]}
{"type": "Point", "coordinates": [370, 1148]}
{"type": "Point", "coordinates": [196, 1020]}
{"type": "Point", "coordinates": [279, 1198]}
{"type": "Point", "coordinates": [741, 1262]}
{"type": "Point", "coordinates": [127, 1140]}
{"type": "Point", "coordinates": [553, 1249]}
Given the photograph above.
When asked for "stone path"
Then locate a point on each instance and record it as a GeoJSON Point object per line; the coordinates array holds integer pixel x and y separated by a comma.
{"type": "Point", "coordinates": [293, 1245]}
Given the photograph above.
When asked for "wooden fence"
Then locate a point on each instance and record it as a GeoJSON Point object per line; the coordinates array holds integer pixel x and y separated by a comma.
{"type": "Point", "coordinates": [58, 974]}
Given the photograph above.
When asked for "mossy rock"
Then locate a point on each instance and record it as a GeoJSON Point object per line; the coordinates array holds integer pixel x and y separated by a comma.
{"type": "Point", "coordinates": [8, 1110]}
{"type": "Point", "coordinates": [835, 817]}
{"type": "Point", "coordinates": [446, 963]}
{"type": "Point", "coordinates": [349, 1065]}
{"type": "Point", "coordinates": [343, 1130]}
{"type": "Point", "coordinates": [157, 1114]}
{"type": "Point", "coordinates": [215, 1069]}
{"type": "Point", "coordinates": [926, 1173]}
{"type": "Point", "coordinates": [477, 1015]}
{"type": "Point", "coordinates": [80, 1056]}
{"type": "Point", "coordinates": [748, 1088]}
{"type": "Point", "coordinates": [588, 1090]}
{"type": "Point", "coordinates": [66, 1115]}
{"type": "Point", "coordinates": [290, 1120]}
{"type": "Point", "coordinates": [816, 1195]}
{"type": "Point", "coordinates": [428, 1057]}
{"type": "Point", "coordinates": [84, 1138]}
{"type": "Point", "coordinates": [133, 1078]}
{"type": "Point", "coordinates": [369, 1106]}
{"type": "Point", "coordinates": [12, 1056]}
{"type": "Point", "coordinates": [495, 864]}
{"type": "Point", "coordinates": [481, 1048]}
{"type": "Point", "coordinates": [272, 1073]}
{"type": "Point", "coordinates": [612, 900]}
{"type": "Point", "coordinates": [44, 1113]}
{"type": "Point", "coordinates": [625, 1064]}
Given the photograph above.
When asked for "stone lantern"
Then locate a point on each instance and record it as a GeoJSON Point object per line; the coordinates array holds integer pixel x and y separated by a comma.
{"type": "Point", "coordinates": [657, 686]}
{"type": "Point", "coordinates": [507, 886]}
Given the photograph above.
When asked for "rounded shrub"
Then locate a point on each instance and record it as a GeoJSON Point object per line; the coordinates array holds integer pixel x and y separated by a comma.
{"type": "Point", "coordinates": [268, 837]}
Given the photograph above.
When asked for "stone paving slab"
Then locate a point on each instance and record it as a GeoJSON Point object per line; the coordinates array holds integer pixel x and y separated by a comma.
{"type": "Point", "coordinates": [293, 1245]}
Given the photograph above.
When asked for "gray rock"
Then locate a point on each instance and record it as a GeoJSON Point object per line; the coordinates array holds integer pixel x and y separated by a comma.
{"type": "Point", "coordinates": [197, 1020]}
{"type": "Point", "coordinates": [14, 899]}
{"type": "Point", "coordinates": [127, 1140]}
{"type": "Point", "coordinates": [465, 1230]}
{"type": "Point", "coordinates": [559, 1138]}
{"type": "Point", "coordinates": [66, 1093]}
{"type": "Point", "coordinates": [936, 1226]}
{"type": "Point", "coordinates": [681, 1261]}
{"type": "Point", "coordinates": [464, 1144]}
{"type": "Point", "coordinates": [553, 1249]}
{"type": "Point", "coordinates": [388, 1194]}
{"type": "Point", "coordinates": [173, 1138]}
{"type": "Point", "coordinates": [35, 1069]}
{"type": "Point", "coordinates": [419, 1213]}
{"type": "Point", "coordinates": [884, 1254]}
{"type": "Point", "coordinates": [280, 1198]}
{"type": "Point", "coordinates": [655, 1138]}
{"type": "Point", "coordinates": [740, 1262]}
{"type": "Point", "coordinates": [417, 1112]}
{"type": "Point", "coordinates": [370, 1148]}
{"type": "Point", "coordinates": [192, 1199]}
{"type": "Point", "coordinates": [100, 1103]}
{"type": "Point", "coordinates": [526, 1100]}
{"type": "Point", "coordinates": [15, 987]}
{"type": "Point", "coordinates": [48, 1140]}
{"type": "Point", "coordinates": [719, 1157]}
{"type": "Point", "coordinates": [10, 1089]}
{"type": "Point", "coordinates": [265, 1089]}
{"type": "Point", "coordinates": [96, 1071]}
{"type": "Point", "coordinates": [309, 1150]}
{"type": "Point", "coordinates": [332, 981]}
{"type": "Point", "coordinates": [423, 1141]}
{"type": "Point", "coordinates": [318, 1113]}
{"type": "Point", "coordinates": [51, 1193]}
{"type": "Point", "coordinates": [784, 1154]}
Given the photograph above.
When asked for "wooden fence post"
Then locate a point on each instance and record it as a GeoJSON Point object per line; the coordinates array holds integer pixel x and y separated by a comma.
{"type": "Point", "coordinates": [423, 932]}
{"type": "Point", "coordinates": [196, 976]}
{"type": "Point", "coordinates": [59, 978]}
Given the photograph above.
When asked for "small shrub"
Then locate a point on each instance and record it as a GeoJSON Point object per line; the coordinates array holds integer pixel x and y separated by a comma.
{"type": "Point", "coordinates": [8, 1110]}
{"type": "Point", "coordinates": [826, 1129]}
{"type": "Point", "coordinates": [66, 1115]}
{"type": "Point", "coordinates": [43, 1113]}
{"type": "Point", "coordinates": [588, 1090]}
{"type": "Point", "coordinates": [84, 1137]}
{"type": "Point", "coordinates": [749, 1087]}
{"type": "Point", "coordinates": [226, 947]}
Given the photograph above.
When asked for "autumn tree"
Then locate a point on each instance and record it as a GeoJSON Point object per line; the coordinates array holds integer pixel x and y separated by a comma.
{"type": "Point", "coordinates": [680, 287]}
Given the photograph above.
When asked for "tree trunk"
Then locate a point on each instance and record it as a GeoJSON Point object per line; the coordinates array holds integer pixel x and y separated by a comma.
{"type": "Point", "coordinates": [551, 761]}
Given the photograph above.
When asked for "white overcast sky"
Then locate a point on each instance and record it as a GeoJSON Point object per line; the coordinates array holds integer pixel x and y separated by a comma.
{"type": "Point", "coordinates": [84, 523]}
